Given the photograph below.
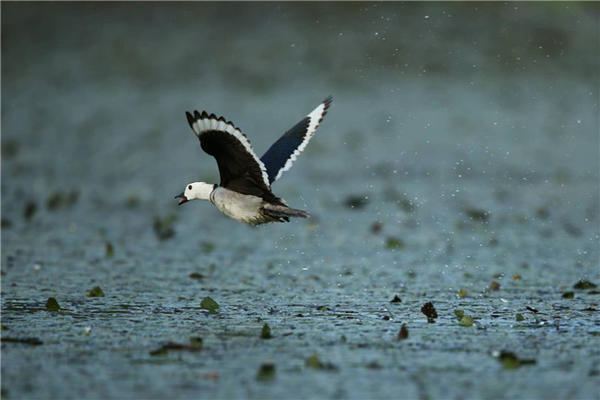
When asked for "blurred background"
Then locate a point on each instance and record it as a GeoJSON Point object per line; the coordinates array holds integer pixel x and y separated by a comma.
{"type": "Point", "coordinates": [462, 144]}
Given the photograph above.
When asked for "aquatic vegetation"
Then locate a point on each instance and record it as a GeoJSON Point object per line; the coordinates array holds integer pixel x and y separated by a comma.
{"type": "Point", "coordinates": [396, 299]}
{"type": "Point", "coordinates": [568, 295]}
{"type": "Point", "coordinates": [96, 291]}
{"type": "Point", "coordinates": [494, 286]}
{"type": "Point", "coordinates": [209, 304]}
{"type": "Point", "coordinates": [110, 250]}
{"type": "Point", "coordinates": [584, 284]}
{"type": "Point", "coordinates": [462, 293]}
{"type": "Point", "coordinates": [266, 372]}
{"type": "Point", "coordinates": [403, 334]}
{"type": "Point", "coordinates": [394, 243]}
{"type": "Point", "coordinates": [52, 304]}
{"type": "Point", "coordinates": [429, 310]}
{"type": "Point", "coordinates": [265, 333]}
{"type": "Point", "coordinates": [466, 321]}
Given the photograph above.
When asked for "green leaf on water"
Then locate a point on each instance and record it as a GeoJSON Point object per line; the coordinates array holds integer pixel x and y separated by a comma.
{"type": "Point", "coordinates": [519, 317]}
{"type": "Point", "coordinates": [209, 304]}
{"type": "Point", "coordinates": [266, 372]}
{"type": "Point", "coordinates": [568, 295]}
{"type": "Point", "coordinates": [462, 293]}
{"type": "Point", "coordinates": [196, 342]}
{"type": "Point", "coordinates": [584, 285]}
{"type": "Point", "coordinates": [314, 362]}
{"type": "Point", "coordinates": [466, 321]}
{"type": "Point", "coordinates": [393, 243]}
{"type": "Point", "coordinates": [52, 304]}
{"type": "Point", "coordinates": [110, 250]}
{"type": "Point", "coordinates": [266, 332]}
{"type": "Point", "coordinates": [459, 314]}
{"type": "Point", "coordinates": [96, 292]}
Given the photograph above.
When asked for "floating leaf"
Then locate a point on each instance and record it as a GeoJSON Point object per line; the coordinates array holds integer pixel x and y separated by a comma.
{"type": "Point", "coordinates": [110, 250]}
{"type": "Point", "coordinates": [516, 276]}
{"type": "Point", "coordinates": [266, 332]}
{"type": "Point", "coordinates": [266, 372]}
{"type": "Point", "coordinates": [393, 243]}
{"type": "Point", "coordinates": [356, 201]}
{"type": "Point", "coordinates": [96, 292]}
{"type": "Point", "coordinates": [510, 360]}
{"type": "Point", "coordinates": [568, 295]}
{"type": "Point", "coordinates": [429, 310]}
{"type": "Point", "coordinates": [164, 349]}
{"type": "Point", "coordinates": [584, 285]}
{"type": "Point", "coordinates": [477, 214]}
{"type": "Point", "coordinates": [314, 362]}
{"type": "Point", "coordinates": [52, 304]}
{"type": "Point", "coordinates": [32, 341]}
{"type": "Point", "coordinates": [519, 317]}
{"type": "Point", "coordinates": [396, 299]}
{"type": "Point", "coordinates": [459, 314]}
{"type": "Point", "coordinates": [209, 304]}
{"type": "Point", "coordinates": [462, 293]}
{"type": "Point", "coordinates": [466, 321]}
{"type": "Point", "coordinates": [403, 334]}
{"type": "Point", "coordinates": [494, 286]}
{"type": "Point", "coordinates": [29, 210]}
{"type": "Point", "coordinates": [196, 342]}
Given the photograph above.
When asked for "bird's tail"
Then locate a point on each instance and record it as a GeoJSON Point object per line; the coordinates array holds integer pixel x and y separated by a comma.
{"type": "Point", "coordinates": [283, 213]}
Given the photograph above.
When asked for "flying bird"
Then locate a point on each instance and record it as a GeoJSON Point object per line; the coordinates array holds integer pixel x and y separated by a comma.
{"type": "Point", "coordinates": [244, 192]}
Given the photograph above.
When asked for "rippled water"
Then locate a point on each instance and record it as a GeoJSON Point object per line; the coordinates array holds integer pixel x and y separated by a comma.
{"type": "Point", "coordinates": [461, 149]}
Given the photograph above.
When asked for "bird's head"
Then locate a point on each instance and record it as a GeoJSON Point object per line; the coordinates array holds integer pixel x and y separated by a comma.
{"type": "Point", "coordinates": [195, 191]}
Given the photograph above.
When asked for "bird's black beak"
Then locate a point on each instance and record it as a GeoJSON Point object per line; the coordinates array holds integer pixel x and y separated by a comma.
{"type": "Point", "coordinates": [182, 198]}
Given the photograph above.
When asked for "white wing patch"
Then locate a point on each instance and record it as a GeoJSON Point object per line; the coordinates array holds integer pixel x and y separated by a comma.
{"type": "Point", "coordinates": [316, 116]}
{"type": "Point", "coordinates": [203, 122]}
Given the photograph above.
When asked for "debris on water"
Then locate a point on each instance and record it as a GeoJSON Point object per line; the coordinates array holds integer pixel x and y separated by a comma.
{"type": "Point", "coordinates": [376, 227]}
{"type": "Point", "coordinates": [54, 201]}
{"type": "Point", "coordinates": [533, 310]}
{"type": "Point", "coordinates": [462, 293]}
{"type": "Point", "coordinates": [209, 304]}
{"type": "Point", "coordinates": [323, 308]}
{"type": "Point", "coordinates": [163, 227]}
{"type": "Point", "coordinates": [568, 295]}
{"type": "Point", "coordinates": [572, 229]}
{"type": "Point", "coordinates": [394, 243]}
{"type": "Point", "coordinates": [32, 340]}
{"type": "Point", "coordinates": [196, 275]}
{"type": "Point", "coordinates": [459, 314]}
{"type": "Point", "coordinates": [87, 330]}
{"type": "Point", "coordinates": [494, 286]}
{"type": "Point", "coordinates": [315, 363]}
{"type": "Point", "coordinates": [110, 250]}
{"type": "Point", "coordinates": [207, 247]}
{"type": "Point", "coordinates": [429, 310]}
{"type": "Point", "coordinates": [396, 299]}
{"type": "Point", "coordinates": [52, 304]}
{"type": "Point", "coordinates": [196, 342]}
{"type": "Point", "coordinates": [516, 276]}
{"type": "Point", "coordinates": [542, 213]}
{"type": "Point", "coordinates": [477, 214]}
{"type": "Point", "coordinates": [29, 210]}
{"type": "Point", "coordinates": [466, 321]}
{"type": "Point", "coordinates": [10, 148]}
{"type": "Point", "coordinates": [510, 360]}
{"type": "Point", "coordinates": [164, 349]}
{"type": "Point", "coordinates": [519, 317]}
{"type": "Point", "coordinates": [356, 201]}
{"type": "Point", "coordinates": [583, 284]}
{"type": "Point", "coordinates": [266, 332]}
{"type": "Point", "coordinates": [96, 291]}
{"type": "Point", "coordinates": [132, 201]}
{"type": "Point", "coordinates": [373, 365]}
{"type": "Point", "coordinates": [266, 372]}
{"type": "Point", "coordinates": [6, 223]}
{"type": "Point", "coordinates": [403, 334]}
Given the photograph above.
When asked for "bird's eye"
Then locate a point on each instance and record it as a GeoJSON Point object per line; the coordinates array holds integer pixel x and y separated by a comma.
{"type": "Point", "coordinates": [190, 187]}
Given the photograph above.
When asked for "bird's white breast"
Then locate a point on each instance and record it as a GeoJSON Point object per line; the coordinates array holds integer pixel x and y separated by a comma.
{"type": "Point", "coordinates": [241, 207]}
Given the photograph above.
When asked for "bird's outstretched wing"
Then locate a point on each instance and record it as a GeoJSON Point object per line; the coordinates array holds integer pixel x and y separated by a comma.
{"type": "Point", "coordinates": [239, 167]}
{"type": "Point", "coordinates": [282, 154]}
